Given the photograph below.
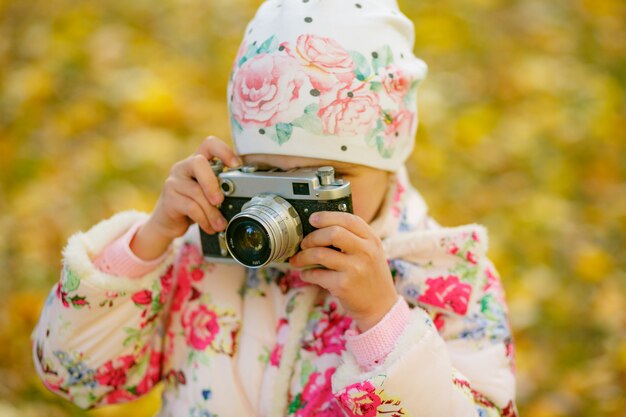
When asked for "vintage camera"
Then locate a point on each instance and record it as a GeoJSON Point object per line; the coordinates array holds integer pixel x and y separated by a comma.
{"type": "Point", "coordinates": [268, 211]}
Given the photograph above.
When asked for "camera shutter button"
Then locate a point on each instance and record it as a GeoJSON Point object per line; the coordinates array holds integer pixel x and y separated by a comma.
{"type": "Point", "coordinates": [326, 175]}
{"type": "Point", "coordinates": [248, 169]}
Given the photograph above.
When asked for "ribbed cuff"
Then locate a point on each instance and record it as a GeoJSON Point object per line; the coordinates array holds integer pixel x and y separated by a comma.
{"type": "Point", "coordinates": [118, 259]}
{"type": "Point", "coordinates": [372, 347]}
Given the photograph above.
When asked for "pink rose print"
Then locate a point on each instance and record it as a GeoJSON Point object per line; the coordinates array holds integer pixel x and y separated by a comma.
{"type": "Point", "coordinates": [153, 374]}
{"type": "Point", "coordinates": [447, 293]}
{"type": "Point", "coordinates": [509, 410]}
{"type": "Point", "coordinates": [192, 257]}
{"type": "Point", "coordinates": [471, 258]}
{"type": "Point", "coordinates": [324, 54]}
{"type": "Point", "coordinates": [191, 268]}
{"type": "Point", "coordinates": [166, 284]}
{"type": "Point", "coordinates": [142, 297]}
{"type": "Point", "coordinates": [176, 377]}
{"type": "Point", "coordinates": [317, 396]}
{"type": "Point", "coordinates": [197, 274]}
{"type": "Point", "coordinates": [491, 278]}
{"type": "Point", "coordinates": [396, 209]}
{"type": "Point", "coordinates": [53, 383]}
{"type": "Point", "coordinates": [264, 91]}
{"type": "Point", "coordinates": [182, 289]}
{"type": "Point", "coordinates": [114, 372]}
{"type": "Point", "coordinates": [398, 125]}
{"type": "Point", "coordinates": [119, 396]}
{"type": "Point", "coordinates": [360, 400]}
{"type": "Point", "coordinates": [354, 112]}
{"type": "Point", "coordinates": [493, 286]}
{"type": "Point", "coordinates": [200, 326]}
{"type": "Point", "coordinates": [439, 321]}
{"type": "Point", "coordinates": [453, 249]}
{"type": "Point", "coordinates": [276, 355]}
{"type": "Point", "coordinates": [282, 328]}
{"type": "Point", "coordinates": [395, 82]}
{"type": "Point", "coordinates": [328, 334]}
{"type": "Point", "coordinates": [290, 279]}
{"type": "Point", "coordinates": [329, 66]}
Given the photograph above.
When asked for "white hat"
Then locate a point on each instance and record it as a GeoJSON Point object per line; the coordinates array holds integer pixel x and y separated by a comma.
{"type": "Point", "coordinates": [328, 79]}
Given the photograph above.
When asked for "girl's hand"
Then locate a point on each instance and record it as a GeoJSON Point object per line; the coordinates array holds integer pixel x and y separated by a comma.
{"type": "Point", "coordinates": [358, 275]}
{"type": "Point", "coordinates": [190, 195]}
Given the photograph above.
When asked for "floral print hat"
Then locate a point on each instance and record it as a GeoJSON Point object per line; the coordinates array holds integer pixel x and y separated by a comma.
{"type": "Point", "coordinates": [328, 79]}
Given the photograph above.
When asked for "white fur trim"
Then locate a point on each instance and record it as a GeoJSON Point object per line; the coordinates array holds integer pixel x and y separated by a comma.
{"type": "Point", "coordinates": [424, 244]}
{"type": "Point", "coordinates": [487, 368]}
{"type": "Point", "coordinates": [415, 332]}
{"type": "Point", "coordinates": [297, 323]}
{"type": "Point", "coordinates": [82, 247]}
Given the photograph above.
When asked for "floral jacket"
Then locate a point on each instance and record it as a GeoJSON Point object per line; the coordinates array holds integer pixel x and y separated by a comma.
{"type": "Point", "coordinates": [230, 341]}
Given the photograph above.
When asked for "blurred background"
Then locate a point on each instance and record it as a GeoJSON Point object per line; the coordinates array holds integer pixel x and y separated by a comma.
{"type": "Point", "coordinates": [523, 119]}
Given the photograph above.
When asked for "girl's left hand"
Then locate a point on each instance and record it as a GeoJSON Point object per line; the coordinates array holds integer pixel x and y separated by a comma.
{"type": "Point", "coordinates": [358, 275]}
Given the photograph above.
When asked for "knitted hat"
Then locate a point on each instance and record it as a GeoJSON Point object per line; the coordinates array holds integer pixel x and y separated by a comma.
{"type": "Point", "coordinates": [328, 79]}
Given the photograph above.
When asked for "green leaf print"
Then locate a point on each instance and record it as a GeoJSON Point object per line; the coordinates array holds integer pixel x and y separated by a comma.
{"type": "Point", "coordinates": [376, 86]}
{"type": "Point", "coordinates": [71, 281]}
{"type": "Point", "coordinates": [296, 404]}
{"type": "Point", "coordinates": [79, 301]}
{"type": "Point", "coordinates": [250, 53]}
{"type": "Point", "coordinates": [283, 132]}
{"type": "Point", "coordinates": [310, 121]}
{"type": "Point", "coordinates": [133, 336]}
{"type": "Point", "coordinates": [382, 58]}
{"type": "Point", "coordinates": [307, 370]}
{"type": "Point", "coordinates": [236, 127]}
{"type": "Point", "coordinates": [264, 357]}
{"type": "Point", "coordinates": [465, 272]}
{"type": "Point", "coordinates": [269, 46]}
{"type": "Point", "coordinates": [380, 145]}
{"type": "Point", "coordinates": [372, 136]}
{"type": "Point", "coordinates": [155, 305]}
{"type": "Point", "coordinates": [362, 70]}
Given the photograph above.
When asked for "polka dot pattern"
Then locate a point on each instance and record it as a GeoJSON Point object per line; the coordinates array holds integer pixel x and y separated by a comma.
{"type": "Point", "coordinates": [329, 79]}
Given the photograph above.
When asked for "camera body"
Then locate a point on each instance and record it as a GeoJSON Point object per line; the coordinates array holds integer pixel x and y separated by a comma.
{"type": "Point", "coordinates": [267, 212]}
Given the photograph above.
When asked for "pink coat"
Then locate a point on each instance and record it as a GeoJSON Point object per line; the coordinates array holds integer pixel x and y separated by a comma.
{"type": "Point", "coordinates": [229, 341]}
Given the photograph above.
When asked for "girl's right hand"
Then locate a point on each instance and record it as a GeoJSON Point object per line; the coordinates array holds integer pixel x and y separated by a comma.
{"type": "Point", "coordinates": [191, 194]}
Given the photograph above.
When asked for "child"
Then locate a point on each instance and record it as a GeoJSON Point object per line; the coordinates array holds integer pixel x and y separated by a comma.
{"type": "Point", "coordinates": [408, 318]}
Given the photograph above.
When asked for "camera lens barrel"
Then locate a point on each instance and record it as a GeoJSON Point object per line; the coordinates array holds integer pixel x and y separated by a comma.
{"type": "Point", "coordinates": [267, 229]}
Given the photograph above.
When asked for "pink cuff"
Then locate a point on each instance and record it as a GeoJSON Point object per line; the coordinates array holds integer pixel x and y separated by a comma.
{"type": "Point", "coordinates": [118, 259]}
{"type": "Point", "coordinates": [372, 347]}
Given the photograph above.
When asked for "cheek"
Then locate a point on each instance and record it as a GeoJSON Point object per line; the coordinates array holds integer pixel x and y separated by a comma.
{"type": "Point", "coordinates": [365, 200]}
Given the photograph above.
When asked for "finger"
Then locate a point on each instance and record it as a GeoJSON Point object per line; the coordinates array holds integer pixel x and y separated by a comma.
{"type": "Point", "coordinates": [327, 257]}
{"type": "Point", "coordinates": [349, 221]}
{"type": "Point", "coordinates": [335, 236]}
{"type": "Point", "coordinates": [193, 190]}
{"type": "Point", "coordinates": [193, 211]}
{"type": "Point", "coordinates": [324, 278]}
{"type": "Point", "coordinates": [214, 147]}
{"type": "Point", "coordinates": [199, 168]}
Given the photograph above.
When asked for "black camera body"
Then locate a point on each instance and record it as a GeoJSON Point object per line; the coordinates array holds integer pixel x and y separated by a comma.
{"type": "Point", "coordinates": [267, 212]}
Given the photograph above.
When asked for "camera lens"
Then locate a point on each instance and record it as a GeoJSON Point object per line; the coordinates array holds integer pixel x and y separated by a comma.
{"type": "Point", "coordinates": [248, 241]}
{"type": "Point", "coordinates": [267, 229]}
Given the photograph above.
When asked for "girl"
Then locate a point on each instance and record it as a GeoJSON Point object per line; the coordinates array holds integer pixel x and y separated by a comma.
{"type": "Point", "coordinates": [407, 318]}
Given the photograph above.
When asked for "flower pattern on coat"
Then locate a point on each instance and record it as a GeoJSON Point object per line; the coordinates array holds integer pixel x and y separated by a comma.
{"type": "Point", "coordinates": [363, 399]}
{"type": "Point", "coordinates": [447, 292]}
{"type": "Point", "coordinates": [184, 327]}
{"type": "Point", "coordinates": [317, 397]}
{"type": "Point", "coordinates": [327, 327]}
